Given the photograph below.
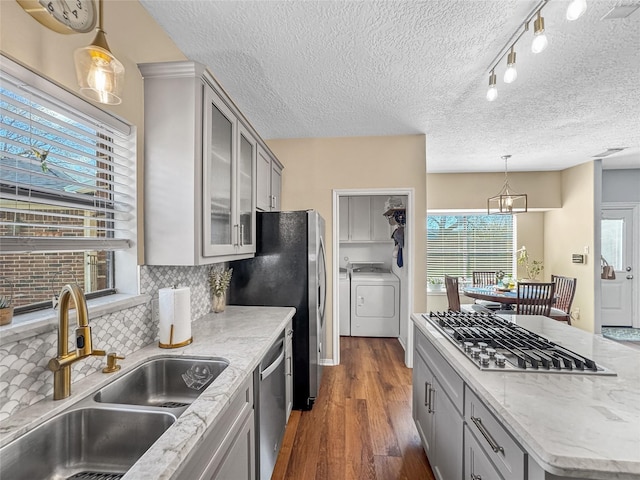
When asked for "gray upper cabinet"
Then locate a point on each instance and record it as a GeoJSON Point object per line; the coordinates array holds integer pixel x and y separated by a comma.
{"type": "Point", "coordinates": [269, 181]}
{"type": "Point", "coordinates": [200, 169]}
{"type": "Point", "coordinates": [361, 219]}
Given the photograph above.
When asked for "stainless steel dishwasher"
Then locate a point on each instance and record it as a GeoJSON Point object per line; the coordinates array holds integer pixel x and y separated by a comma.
{"type": "Point", "coordinates": [271, 407]}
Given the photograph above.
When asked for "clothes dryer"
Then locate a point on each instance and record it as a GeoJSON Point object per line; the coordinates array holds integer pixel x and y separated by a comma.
{"type": "Point", "coordinates": [375, 303]}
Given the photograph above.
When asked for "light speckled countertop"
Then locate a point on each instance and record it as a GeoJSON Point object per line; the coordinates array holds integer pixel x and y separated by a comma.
{"type": "Point", "coordinates": [572, 425]}
{"type": "Point", "coordinates": [241, 335]}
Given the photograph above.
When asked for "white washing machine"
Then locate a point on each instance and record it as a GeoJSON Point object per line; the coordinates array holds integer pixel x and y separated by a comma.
{"type": "Point", "coordinates": [375, 303]}
{"type": "Point", "coordinates": [344, 311]}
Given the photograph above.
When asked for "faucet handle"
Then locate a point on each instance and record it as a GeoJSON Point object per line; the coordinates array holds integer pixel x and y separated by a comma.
{"type": "Point", "coordinates": [112, 363]}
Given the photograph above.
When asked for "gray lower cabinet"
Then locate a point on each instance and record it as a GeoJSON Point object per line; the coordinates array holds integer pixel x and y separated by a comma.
{"type": "Point", "coordinates": [476, 462]}
{"type": "Point", "coordinates": [227, 450]}
{"type": "Point", "coordinates": [437, 410]}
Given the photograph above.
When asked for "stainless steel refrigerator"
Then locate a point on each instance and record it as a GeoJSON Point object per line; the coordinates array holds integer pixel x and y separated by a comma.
{"type": "Point", "coordinates": [289, 270]}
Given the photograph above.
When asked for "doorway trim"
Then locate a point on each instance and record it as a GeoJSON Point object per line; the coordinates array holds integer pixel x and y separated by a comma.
{"type": "Point", "coordinates": [409, 234]}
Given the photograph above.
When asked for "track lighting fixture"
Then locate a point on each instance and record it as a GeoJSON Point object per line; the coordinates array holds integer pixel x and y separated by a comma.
{"type": "Point", "coordinates": [492, 93]}
{"type": "Point", "coordinates": [575, 9]}
{"type": "Point", "coordinates": [540, 41]}
{"type": "Point", "coordinates": [511, 73]}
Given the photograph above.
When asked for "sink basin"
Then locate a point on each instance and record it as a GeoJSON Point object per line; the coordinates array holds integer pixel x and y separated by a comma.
{"type": "Point", "coordinates": [169, 382]}
{"type": "Point", "coordinates": [83, 441]}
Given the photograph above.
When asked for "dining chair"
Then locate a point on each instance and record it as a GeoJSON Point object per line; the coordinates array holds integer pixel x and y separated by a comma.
{"type": "Point", "coordinates": [565, 291]}
{"type": "Point", "coordinates": [485, 279]}
{"type": "Point", "coordinates": [453, 296]}
{"type": "Point", "coordinates": [535, 298]}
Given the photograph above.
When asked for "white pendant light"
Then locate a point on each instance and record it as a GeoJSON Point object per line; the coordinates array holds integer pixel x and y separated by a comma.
{"type": "Point", "coordinates": [100, 74]}
{"type": "Point", "coordinates": [540, 41]}
{"type": "Point", "coordinates": [511, 73]}
{"type": "Point", "coordinates": [575, 9]}
{"type": "Point", "coordinates": [492, 93]}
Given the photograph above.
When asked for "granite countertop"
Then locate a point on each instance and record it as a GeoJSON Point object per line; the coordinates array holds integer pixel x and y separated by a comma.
{"type": "Point", "coordinates": [571, 424]}
{"type": "Point", "coordinates": [241, 335]}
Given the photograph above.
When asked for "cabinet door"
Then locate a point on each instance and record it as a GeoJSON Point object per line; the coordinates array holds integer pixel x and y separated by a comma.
{"type": "Point", "coordinates": [380, 229]}
{"type": "Point", "coordinates": [238, 462]}
{"type": "Point", "coordinates": [263, 201]}
{"type": "Point", "coordinates": [448, 428]}
{"type": "Point", "coordinates": [359, 218]}
{"type": "Point", "coordinates": [276, 187]}
{"type": "Point", "coordinates": [246, 201]}
{"type": "Point", "coordinates": [219, 134]}
{"type": "Point", "coordinates": [422, 385]}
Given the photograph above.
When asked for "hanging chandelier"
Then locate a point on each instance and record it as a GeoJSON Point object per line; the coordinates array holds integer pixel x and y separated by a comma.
{"type": "Point", "coordinates": [506, 202]}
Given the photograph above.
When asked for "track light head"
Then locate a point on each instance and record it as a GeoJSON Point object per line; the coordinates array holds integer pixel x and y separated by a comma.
{"type": "Point", "coordinates": [540, 41]}
{"type": "Point", "coordinates": [492, 93]}
{"type": "Point", "coordinates": [575, 9]}
{"type": "Point", "coordinates": [511, 73]}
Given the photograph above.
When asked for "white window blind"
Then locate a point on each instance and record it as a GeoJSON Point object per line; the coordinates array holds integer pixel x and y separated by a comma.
{"type": "Point", "coordinates": [459, 244]}
{"type": "Point", "coordinates": [67, 177]}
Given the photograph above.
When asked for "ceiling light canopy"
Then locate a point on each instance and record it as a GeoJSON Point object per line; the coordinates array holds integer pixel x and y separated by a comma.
{"type": "Point", "coordinates": [100, 74]}
{"type": "Point", "coordinates": [506, 202]}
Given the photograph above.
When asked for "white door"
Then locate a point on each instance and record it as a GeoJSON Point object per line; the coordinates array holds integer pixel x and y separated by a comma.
{"type": "Point", "coordinates": [617, 247]}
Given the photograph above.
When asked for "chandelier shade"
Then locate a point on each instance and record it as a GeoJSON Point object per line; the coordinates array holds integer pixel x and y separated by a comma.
{"type": "Point", "coordinates": [507, 202]}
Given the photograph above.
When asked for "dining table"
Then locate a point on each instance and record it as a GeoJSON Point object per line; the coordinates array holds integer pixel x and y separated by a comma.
{"type": "Point", "coordinates": [504, 296]}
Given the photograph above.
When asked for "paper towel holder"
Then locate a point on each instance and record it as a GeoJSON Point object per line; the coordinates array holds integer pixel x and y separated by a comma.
{"type": "Point", "coordinates": [174, 345]}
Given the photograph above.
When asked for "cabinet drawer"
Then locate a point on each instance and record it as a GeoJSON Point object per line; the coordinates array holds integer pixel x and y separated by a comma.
{"type": "Point", "coordinates": [477, 465]}
{"type": "Point", "coordinates": [451, 383]}
{"type": "Point", "coordinates": [500, 447]}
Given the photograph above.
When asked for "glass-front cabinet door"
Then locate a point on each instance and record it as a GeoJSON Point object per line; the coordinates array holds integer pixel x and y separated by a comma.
{"type": "Point", "coordinates": [219, 228]}
{"type": "Point", "coordinates": [246, 180]}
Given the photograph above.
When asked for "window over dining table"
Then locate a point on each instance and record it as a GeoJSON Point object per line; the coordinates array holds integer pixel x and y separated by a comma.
{"type": "Point", "coordinates": [67, 190]}
{"type": "Point", "coordinates": [459, 244]}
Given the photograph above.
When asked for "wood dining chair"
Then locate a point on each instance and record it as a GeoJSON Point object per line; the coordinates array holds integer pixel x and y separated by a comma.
{"type": "Point", "coordinates": [485, 279]}
{"type": "Point", "coordinates": [565, 291]}
{"type": "Point", "coordinates": [453, 294]}
{"type": "Point", "coordinates": [535, 298]}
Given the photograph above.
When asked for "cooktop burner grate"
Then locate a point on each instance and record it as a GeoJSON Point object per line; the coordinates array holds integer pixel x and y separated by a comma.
{"type": "Point", "coordinates": [493, 343]}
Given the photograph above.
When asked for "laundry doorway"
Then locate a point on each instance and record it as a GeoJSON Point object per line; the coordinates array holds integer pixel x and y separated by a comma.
{"type": "Point", "coordinates": [373, 273]}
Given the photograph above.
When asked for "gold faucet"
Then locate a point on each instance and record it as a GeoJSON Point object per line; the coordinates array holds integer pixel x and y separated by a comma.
{"type": "Point", "coordinates": [61, 365]}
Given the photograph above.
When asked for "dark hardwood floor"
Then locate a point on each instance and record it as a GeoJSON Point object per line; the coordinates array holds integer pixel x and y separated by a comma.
{"type": "Point", "coordinates": [360, 426]}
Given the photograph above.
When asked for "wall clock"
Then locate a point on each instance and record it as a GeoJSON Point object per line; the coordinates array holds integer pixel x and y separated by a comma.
{"type": "Point", "coordinates": [63, 16]}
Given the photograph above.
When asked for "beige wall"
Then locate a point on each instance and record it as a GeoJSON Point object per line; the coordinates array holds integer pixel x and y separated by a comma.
{"type": "Point", "coordinates": [315, 167]}
{"type": "Point", "coordinates": [569, 231]}
{"type": "Point", "coordinates": [133, 36]}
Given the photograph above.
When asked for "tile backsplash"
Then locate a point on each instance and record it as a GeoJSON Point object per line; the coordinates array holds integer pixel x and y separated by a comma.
{"type": "Point", "coordinates": [24, 376]}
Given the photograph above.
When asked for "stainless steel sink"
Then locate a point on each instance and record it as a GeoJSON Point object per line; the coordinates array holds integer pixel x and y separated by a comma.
{"type": "Point", "coordinates": [89, 441]}
{"type": "Point", "coordinates": [169, 382]}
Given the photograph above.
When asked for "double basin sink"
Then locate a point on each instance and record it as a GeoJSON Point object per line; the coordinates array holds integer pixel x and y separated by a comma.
{"type": "Point", "coordinates": [104, 434]}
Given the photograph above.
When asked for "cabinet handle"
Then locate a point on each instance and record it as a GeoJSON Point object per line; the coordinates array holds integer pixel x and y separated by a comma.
{"type": "Point", "coordinates": [241, 235]}
{"type": "Point", "coordinates": [431, 409]}
{"type": "Point", "coordinates": [427, 386]}
{"type": "Point", "coordinates": [487, 436]}
{"type": "Point", "coordinates": [235, 240]}
{"type": "Point", "coordinates": [290, 372]}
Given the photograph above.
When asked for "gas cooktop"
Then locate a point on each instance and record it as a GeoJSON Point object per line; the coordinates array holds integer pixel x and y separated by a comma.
{"type": "Point", "coordinates": [493, 343]}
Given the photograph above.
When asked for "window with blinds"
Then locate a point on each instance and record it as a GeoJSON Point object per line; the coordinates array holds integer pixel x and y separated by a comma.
{"type": "Point", "coordinates": [459, 244]}
{"type": "Point", "coordinates": [67, 188]}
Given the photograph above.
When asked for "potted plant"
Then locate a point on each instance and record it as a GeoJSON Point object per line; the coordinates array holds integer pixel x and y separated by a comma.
{"type": "Point", "coordinates": [436, 284]}
{"type": "Point", "coordinates": [533, 267]}
{"type": "Point", "coordinates": [219, 279]}
{"type": "Point", "coordinates": [6, 310]}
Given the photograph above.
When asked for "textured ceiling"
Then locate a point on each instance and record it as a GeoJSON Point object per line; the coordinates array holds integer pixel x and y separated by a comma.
{"type": "Point", "coordinates": [359, 68]}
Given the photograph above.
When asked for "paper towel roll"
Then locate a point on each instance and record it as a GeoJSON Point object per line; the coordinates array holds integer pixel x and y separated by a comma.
{"type": "Point", "coordinates": [175, 317]}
